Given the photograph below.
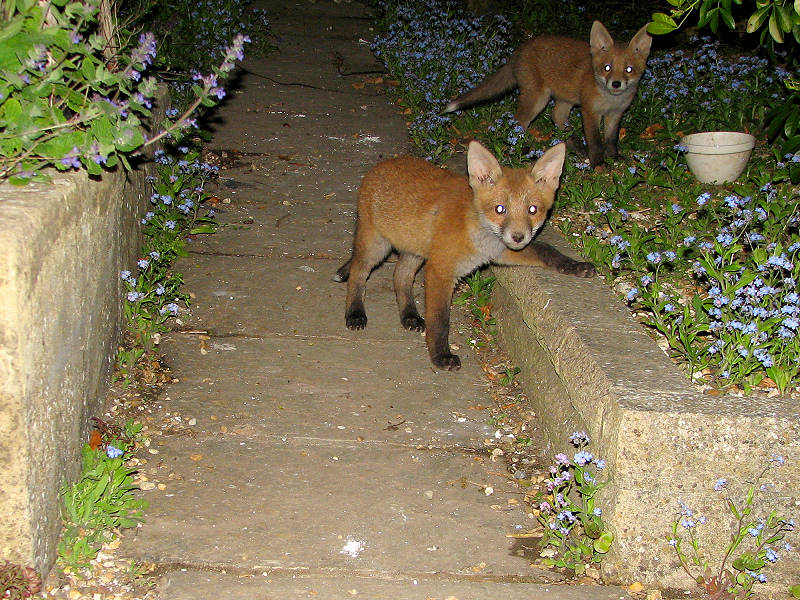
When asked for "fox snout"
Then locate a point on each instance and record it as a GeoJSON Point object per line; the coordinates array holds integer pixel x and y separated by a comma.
{"type": "Point", "coordinates": [615, 84]}
{"type": "Point", "coordinates": [517, 239]}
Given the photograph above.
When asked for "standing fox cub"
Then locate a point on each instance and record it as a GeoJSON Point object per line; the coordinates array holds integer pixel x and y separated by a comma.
{"type": "Point", "coordinates": [600, 76]}
{"type": "Point", "coordinates": [426, 213]}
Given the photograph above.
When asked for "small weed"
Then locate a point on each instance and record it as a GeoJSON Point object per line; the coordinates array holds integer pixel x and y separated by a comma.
{"type": "Point", "coordinates": [753, 545]}
{"type": "Point", "coordinates": [477, 297]}
{"type": "Point", "coordinates": [508, 375]}
{"type": "Point", "coordinates": [102, 499]}
{"type": "Point", "coordinates": [575, 536]}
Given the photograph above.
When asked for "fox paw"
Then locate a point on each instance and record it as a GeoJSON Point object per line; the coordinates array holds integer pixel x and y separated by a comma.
{"type": "Point", "coordinates": [449, 362]}
{"type": "Point", "coordinates": [356, 320]}
{"type": "Point", "coordinates": [413, 323]}
{"type": "Point", "coordinates": [579, 269]}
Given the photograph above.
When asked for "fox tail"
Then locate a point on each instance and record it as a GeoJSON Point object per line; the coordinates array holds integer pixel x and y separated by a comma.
{"type": "Point", "coordinates": [495, 85]}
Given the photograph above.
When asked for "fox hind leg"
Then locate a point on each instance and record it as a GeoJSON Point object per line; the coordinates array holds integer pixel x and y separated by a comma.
{"type": "Point", "coordinates": [532, 100]}
{"type": "Point", "coordinates": [369, 250]}
{"type": "Point", "coordinates": [404, 273]}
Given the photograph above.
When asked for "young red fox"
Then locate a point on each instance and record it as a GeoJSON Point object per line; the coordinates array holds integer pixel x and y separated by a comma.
{"type": "Point", "coordinates": [600, 76]}
{"type": "Point", "coordinates": [427, 213]}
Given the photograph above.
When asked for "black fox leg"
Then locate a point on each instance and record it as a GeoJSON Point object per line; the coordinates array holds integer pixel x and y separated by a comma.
{"type": "Point", "coordinates": [367, 254]}
{"type": "Point", "coordinates": [438, 296]}
{"type": "Point", "coordinates": [404, 273]}
{"type": "Point", "coordinates": [540, 254]}
{"type": "Point", "coordinates": [563, 264]}
{"type": "Point", "coordinates": [343, 272]}
{"type": "Point", "coordinates": [611, 133]}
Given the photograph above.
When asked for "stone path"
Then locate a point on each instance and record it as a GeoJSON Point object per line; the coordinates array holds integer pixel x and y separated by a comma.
{"type": "Point", "coordinates": [308, 461]}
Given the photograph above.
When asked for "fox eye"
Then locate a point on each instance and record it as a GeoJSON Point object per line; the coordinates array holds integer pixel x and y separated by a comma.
{"type": "Point", "coordinates": [532, 209]}
{"type": "Point", "coordinates": [629, 69]}
{"type": "Point", "coordinates": [607, 68]}
{"type": "Point", "coordinates": [499, 209]}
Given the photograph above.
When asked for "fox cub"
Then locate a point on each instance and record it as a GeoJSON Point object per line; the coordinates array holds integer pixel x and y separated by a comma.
{"type": "Point", "coordinates": [600, 76]}
{"type": "Point", "coordinates": [455, 223]}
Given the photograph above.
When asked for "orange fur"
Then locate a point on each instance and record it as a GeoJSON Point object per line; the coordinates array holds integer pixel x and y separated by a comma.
{"type": "Point", "coordinates": [456, 224]}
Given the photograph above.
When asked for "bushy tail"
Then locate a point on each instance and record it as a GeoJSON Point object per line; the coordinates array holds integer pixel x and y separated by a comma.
{"type": "Point", "coordinates": [343, 272]}
{"type": "Point", "coordinates": [495, 85]}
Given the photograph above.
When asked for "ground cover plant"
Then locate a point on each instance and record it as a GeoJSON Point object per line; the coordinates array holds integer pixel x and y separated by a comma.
{"type": "Point", "coordinates": [712, 270]}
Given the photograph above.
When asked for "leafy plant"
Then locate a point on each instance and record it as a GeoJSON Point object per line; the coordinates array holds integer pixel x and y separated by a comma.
{"type": "Point", "coordinates": [574, 533]}
{"type": "Point", "coordinates": [102, 499]}
{"type": "Point", "coordinates": [65, 103]}
{"type": "Point", "coordinates": [153, 293]}
{"type": "Point", "coordinates": [752, 547]}
{"type": "Point", "coordinates": [477, 295]}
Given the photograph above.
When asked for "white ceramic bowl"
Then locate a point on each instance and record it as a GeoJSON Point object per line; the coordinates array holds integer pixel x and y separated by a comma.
{"type": "Point", "coordinates": [718, 156]}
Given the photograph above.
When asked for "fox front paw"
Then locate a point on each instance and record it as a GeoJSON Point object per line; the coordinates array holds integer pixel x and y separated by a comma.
{"type": "Point", "coordinates": [413, 323]}
{"type": "Point", "coordinates": [356, 320]}
{"type": "Point", "coordinates": [449, 362]}
{"type": "Point", "coordinates": [579, 269]}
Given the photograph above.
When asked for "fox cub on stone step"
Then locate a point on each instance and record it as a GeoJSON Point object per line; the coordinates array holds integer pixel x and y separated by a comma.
{"type": "Point", "coordinates": [600, 76]}
{"type": "Point", "coordinates": [457, 224]}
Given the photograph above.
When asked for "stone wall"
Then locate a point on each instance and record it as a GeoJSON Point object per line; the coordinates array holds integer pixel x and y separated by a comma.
{"type": "Point", "coordinates": [63, 245]}
{"type": "Point", "coordinates": [587, 365]}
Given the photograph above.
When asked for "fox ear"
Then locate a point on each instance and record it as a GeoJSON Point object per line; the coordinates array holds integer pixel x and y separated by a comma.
{"type": "Point", "coordinates": [641, 41]}
{"type": "Point", "coordinates": [482, 166]}
{"type": "Point", "coordinates": [599, 39]}
{"type": "Point", "coordinates": [547, 169]}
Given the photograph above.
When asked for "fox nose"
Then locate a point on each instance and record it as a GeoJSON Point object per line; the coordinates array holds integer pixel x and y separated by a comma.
{"type": "Point", "coordinates": [517, 237]}
{"type": "Point", "coordinates": [616, 84]}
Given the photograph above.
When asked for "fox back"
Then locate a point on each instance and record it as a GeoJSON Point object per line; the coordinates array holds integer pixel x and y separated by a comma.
{"type": "Point", "coordinates": [416, 205]}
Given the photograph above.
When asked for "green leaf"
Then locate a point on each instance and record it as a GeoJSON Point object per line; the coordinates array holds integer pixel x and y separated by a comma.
{"type": "Point", "coordinates": [727, 18]}
{"type": "Point", "coordinates": [775, 29]}
{"type": "Point", "coordinates": [662, 24]}
{"type": "Point", "coordinates": [795, 589]}
{"type": "Point", "coordinates": [784, 18]}
{"type": "Point", "coordinates": [203, 229]}
{"type": "Point", "coordinates": [603, 543]}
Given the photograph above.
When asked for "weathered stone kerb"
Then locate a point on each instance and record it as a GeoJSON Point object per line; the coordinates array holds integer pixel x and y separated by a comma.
{"type": "Point", "coordinates": [63, 245]}
{"type": "Point", "coordinates": [587, 365]}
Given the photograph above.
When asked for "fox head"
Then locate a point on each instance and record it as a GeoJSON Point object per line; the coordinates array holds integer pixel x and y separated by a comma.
{"type": "Point", "coordinates": [513, 203]}
{"type": "Point", "coordinates": [617, 68]}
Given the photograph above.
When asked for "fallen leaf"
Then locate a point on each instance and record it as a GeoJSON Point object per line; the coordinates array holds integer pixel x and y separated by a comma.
{"type": "Point", "coordinates": [635, 587]}
{"type": "Point", "coordinates": [650, 132]}
{"type": "Point", "coordinates": [622, 133]}
{"type": "Point", "coordinates": [358, 85]}
{"type": "Point", "coordinates": [95, 439]}
{"type": "Point", "coordinates": [196, 457]}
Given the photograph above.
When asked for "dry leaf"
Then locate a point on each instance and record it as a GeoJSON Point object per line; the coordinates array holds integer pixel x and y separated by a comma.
{"type": "Point", "coordinates": [196, 457]}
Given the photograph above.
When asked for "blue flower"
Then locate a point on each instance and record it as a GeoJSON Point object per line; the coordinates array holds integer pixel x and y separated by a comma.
{"type": "Point", "coordinates": [703, 198]}
{"type": "Point", "coordinates": [579, 438]}
{"type": "Point", "coordinates": [582, 458]}
{"type": "Point", "coordinates": [771, 555]}
{"type": "Point", "coordinates": [632, 293]}
{"type": "Point", "coordinates": [113, 452]}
